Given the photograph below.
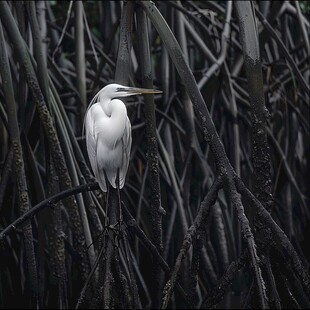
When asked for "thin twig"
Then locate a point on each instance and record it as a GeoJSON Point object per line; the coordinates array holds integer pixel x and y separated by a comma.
{"type": "Point", "coordinates": [63, 30]}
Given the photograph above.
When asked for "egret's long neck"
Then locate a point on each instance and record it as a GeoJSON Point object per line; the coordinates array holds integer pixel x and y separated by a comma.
{"type": "Point", "coordinates": [116, 110]}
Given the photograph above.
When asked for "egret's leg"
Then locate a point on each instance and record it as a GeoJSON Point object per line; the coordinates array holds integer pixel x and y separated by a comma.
{"type": "Point", "coordinates": [119, 201]}
{"type": "Point", "coordinates": [107, 207]}
{"type": "Point", "coordinates": [107, 201]}
{"type": "Point", "coordinates": [106, 221]}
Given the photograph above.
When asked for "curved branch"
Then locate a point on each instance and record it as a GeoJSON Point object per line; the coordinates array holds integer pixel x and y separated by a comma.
{"type": "Point", "coordinates": [47, 203]}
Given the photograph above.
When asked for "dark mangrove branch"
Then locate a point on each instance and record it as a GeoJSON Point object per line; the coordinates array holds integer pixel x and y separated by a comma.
{"type": "Point", "coordinates": [152, 146]}
{"type": "Point", "coordinates": [253, 68]}
{"type": "Point", "coordinates": [50, 131]}
{"type": "Point", "coordinates": [18, 164]}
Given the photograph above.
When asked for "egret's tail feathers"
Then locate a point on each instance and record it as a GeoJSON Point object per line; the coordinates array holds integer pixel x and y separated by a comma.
{"type": "Point", "coordinates": [112, 180]}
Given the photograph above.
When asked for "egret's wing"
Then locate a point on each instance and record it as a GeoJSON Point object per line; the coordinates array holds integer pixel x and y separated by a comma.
{"type": "Point", "coordinates": [90, 139]}
{"type": "Point", "coordinates": [126, 147]}
{"type": "Point", "coordinates": [100, 176]}
{"type": "Point", "coordinates": [91, 144]}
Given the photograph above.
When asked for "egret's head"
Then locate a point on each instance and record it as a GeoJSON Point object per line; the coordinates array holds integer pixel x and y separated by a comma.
{"type": "Point", "coordinates": [116, 91]}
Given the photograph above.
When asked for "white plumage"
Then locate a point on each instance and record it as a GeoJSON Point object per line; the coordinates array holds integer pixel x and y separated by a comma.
{"type": "Point", "coordinates": [108, 133]}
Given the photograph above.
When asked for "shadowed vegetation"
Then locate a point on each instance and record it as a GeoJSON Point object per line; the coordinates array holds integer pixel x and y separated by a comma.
{"type": "Point", "coordinates": [215, 207]}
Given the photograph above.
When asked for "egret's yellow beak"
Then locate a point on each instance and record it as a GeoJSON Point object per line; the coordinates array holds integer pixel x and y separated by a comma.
{"type": "Point", "coordinates": [138, 91]}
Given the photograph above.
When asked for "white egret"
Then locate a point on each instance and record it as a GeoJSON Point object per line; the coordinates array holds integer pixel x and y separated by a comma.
{"type": "Point", "coordinates": [108, 133]}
